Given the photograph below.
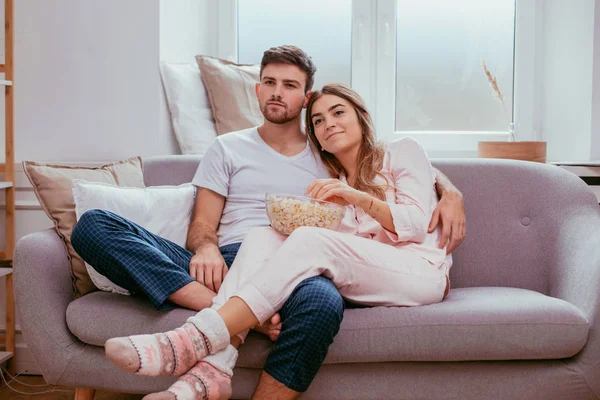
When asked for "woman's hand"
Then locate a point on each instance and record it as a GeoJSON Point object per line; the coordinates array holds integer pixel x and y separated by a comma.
{"type": "Point", "coordinates": [338, 192]}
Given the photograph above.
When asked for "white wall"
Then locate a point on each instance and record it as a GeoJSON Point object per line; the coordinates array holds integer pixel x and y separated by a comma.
{"type": "Point", "coordinates": [87, 80]}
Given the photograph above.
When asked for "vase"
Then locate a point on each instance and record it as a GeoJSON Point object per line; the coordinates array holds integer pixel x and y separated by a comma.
{"type": "Point", "coordinates": [526, 151]}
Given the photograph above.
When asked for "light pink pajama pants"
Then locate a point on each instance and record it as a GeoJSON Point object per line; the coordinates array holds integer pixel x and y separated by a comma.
{"type": "Point", "coordinates": [269, 266]}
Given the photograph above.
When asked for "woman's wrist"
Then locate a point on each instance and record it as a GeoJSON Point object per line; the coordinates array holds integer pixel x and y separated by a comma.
{"type": "Point", "coordinates": [366, 202]}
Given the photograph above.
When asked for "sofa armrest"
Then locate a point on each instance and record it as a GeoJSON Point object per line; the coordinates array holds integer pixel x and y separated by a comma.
{"type": "Point", "coordinates": [576, 278]}
{"type": "Point", "coordinates": [43, 290]}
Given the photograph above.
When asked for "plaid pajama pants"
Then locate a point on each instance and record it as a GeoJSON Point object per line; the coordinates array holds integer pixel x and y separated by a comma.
{"type": "Point", "coordinates": [147, 264]}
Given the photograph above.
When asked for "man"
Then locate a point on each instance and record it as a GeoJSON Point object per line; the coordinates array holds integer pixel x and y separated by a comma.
{"type": "Point", "coordinates": [232, 180]}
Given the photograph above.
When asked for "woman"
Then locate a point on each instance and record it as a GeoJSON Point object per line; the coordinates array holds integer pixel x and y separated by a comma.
{"type": "Point", "coordinates": [382, 254]}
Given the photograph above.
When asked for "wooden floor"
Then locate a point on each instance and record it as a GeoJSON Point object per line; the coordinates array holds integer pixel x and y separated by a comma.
{"type": "Point", "coordinates": [7, 394]}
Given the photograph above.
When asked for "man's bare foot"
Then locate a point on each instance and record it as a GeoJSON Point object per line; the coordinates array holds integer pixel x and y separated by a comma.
{"type": "Point", "coordinates": [271, 328]}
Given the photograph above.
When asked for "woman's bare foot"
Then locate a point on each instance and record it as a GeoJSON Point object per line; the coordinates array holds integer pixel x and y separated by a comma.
{"type": "Point", "coordinates": [271, 328]}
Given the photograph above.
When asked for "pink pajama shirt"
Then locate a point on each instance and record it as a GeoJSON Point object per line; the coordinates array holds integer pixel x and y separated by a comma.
{"type": "Point", "coordinates": [368, 264]}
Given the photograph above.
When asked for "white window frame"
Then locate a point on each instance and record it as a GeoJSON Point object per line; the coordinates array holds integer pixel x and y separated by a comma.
{"type": "Point", "coordinates": [227, 27]}
{"type": "Point", "coordinates": [374, 72]}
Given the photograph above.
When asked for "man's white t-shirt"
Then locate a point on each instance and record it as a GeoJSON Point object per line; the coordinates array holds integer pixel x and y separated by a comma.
{"type": "Point", "coordinates": [243, 168]}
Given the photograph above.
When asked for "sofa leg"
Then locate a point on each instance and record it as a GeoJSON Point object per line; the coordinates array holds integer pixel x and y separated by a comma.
{"type": "Point", "coordinates": [84, 394]}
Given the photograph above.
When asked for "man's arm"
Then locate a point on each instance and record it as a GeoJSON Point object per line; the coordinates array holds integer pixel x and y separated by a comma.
{"type": "Point", "coordinates": [443, 184]}
{"type": "Point", "coordinates": [450, 212]}
{"type": "Point", "coordinates": [207, 265]}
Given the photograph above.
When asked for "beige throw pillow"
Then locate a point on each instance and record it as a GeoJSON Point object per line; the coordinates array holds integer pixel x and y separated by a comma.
{"type": "Point", "coordinates": [52, 186]}
{"type": "Point", "coordinates": [231, 93]}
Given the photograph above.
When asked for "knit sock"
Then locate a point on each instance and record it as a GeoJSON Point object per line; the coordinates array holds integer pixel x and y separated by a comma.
{"type": "Point", "coordinates": [173, 352]}
{"type": "Point", "coordinates": [210, 379]}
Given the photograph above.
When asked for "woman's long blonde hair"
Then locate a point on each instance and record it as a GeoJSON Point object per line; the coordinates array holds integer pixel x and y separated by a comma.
{"type": "Point", "coordinates": [371, 152]}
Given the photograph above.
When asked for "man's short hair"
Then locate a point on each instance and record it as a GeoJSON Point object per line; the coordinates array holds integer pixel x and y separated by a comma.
{"type": "Point", "coordinates": [288, 54]}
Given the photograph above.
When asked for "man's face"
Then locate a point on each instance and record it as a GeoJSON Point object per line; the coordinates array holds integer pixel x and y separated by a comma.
{"type": "Point", "coordinates": [280, 92]}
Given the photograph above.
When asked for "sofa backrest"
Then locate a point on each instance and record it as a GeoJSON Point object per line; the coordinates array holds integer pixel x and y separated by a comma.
{"type": "Point", "coordinates": [513, 208]}
{"type": "Point", "coordinates": [515, 213]}
{"type": "Point", "coordinates": [169, 170]}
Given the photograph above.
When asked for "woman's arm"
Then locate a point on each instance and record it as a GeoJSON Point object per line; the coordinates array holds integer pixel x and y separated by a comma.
{"type": "Point", "coordinates": [379, 210]}
{"type": "Point", "coordinates": [413, 180]}
{"type": "Point", "coordinates": [407, 218]}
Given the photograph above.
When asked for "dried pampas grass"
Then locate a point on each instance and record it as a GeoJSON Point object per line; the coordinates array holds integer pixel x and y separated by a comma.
{"type": "Point", "coordinates": [493, 83]}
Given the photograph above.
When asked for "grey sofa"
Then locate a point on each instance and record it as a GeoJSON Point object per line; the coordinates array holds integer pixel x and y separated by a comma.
{"type": "Point", "coordinates": [521, 322]}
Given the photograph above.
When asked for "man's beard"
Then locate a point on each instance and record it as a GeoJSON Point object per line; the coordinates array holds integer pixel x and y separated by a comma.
{"type": "Point", "coordinates": [280, 117]}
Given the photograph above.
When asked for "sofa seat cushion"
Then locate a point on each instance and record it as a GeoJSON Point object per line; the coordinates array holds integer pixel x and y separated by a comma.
{"type": "Point", "coordinates": [480, 323]}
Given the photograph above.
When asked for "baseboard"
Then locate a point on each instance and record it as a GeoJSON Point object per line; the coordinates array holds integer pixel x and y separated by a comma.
{"type": "Point", "coordinates": [26, 363]}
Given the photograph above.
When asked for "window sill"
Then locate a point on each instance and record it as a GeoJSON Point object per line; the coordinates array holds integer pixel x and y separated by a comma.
{"type": "Point", "coordinates": [449, 144]}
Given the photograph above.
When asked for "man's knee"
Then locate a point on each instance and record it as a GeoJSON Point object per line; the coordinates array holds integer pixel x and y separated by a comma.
{"type": "Point", "coordinates": [311, 318]}
{"type": "Point", "coordinates": [90, 223]}
{"type": "Point", "coordinates": [319, 297]}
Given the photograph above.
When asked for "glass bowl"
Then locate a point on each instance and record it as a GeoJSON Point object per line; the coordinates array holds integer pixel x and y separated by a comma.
{"type": "Point", "coordinates": [287, 212]}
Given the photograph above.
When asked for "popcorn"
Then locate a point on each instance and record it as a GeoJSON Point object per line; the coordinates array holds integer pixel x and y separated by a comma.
{"type": "Point", "coordinates": [288, 213]}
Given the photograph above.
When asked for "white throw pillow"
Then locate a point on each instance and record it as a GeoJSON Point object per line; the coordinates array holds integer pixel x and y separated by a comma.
{"type": "Point", "coordinates": [189, 106]}
{"type": "Point", "coordinates": [163, 210]}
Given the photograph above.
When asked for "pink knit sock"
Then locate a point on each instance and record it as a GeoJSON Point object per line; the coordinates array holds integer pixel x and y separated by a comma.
{"type": "Point", "coordinates": [173, 352]}
{"type": "Point", "coordinates": [210, 379]}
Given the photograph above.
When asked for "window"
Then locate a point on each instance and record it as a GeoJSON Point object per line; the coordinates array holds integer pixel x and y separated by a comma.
{"type": "Point", "coordinates": [323, 32]}
{"type": "Point", "coordinates": [440, 81]}
{"type": "Point", "coordinates": [417, 64]}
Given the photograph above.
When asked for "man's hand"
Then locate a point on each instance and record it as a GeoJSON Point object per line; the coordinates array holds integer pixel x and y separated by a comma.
{"type": "Point", "coordinates": [208, 267]}
{"type": "Point", "coordinates": [450, 212]}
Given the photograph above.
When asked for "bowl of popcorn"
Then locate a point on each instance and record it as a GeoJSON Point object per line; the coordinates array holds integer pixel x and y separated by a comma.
{"type": "Point", "coordinates": [288, 212]}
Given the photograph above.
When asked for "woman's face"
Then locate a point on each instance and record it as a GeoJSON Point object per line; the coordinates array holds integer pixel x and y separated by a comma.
{"type": "Point", "coordinates": [336, 124]}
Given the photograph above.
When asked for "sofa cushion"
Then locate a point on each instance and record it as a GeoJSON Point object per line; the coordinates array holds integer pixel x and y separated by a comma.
{"type": "Point", "coordinates": [52, 186]}
{"type": "Point", "coordinates": [189, 107]}
{"type": "Point", "coordinates": [165, 211]}
{"type": "Point", "coordinates": [231, 91]}
{"type": "Point", "coordinates": [482, 323]}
